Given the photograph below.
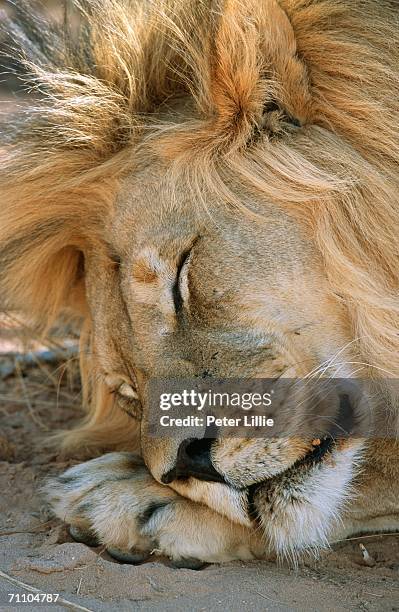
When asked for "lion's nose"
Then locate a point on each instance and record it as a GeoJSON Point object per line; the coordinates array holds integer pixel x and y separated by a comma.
{"type": "Point", "coordinates": [194, 459]}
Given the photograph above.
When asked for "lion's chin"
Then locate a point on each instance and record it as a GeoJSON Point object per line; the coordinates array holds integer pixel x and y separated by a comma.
{"type": "Point", "coordinates": [299, 509]}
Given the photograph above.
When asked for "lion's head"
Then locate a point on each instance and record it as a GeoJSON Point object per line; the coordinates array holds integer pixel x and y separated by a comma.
{"type": "Point", "coordinates": [212, 190]}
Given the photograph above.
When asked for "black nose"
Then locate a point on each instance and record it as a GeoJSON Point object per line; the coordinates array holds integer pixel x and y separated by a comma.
{"type": "Point", "coordinates": [194, 459]}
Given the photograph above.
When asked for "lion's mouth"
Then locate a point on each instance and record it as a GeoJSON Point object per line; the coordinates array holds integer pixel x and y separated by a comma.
{"type": "Point", "coordinates": [320, 449]}
{"type": "Point", "coordinates": [342, 428]}
{"type": "Point", "coordinates": [203, 469]}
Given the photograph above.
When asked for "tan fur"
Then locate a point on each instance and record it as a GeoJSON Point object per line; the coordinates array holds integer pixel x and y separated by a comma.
{"type": "Point", "coordinates": [266, 123]}
{"type": "Point", "coordinates": [90, 123]}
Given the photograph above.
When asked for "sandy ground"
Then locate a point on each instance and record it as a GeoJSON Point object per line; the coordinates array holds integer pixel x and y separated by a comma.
{"type": "Point", "coordinates": [36, 550]}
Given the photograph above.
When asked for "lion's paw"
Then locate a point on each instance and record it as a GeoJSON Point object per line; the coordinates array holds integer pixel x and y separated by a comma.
{"type": "Point", "coordinates": [109, 501]}
{"type": "Point", "coordinates": [114, 501]}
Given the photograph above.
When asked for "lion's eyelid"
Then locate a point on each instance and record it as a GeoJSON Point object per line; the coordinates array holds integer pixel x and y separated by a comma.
{"type": "Point", "coordinates": [180, 288]}
{"type": "Point", "coordinates": [121, 387]}
{"type": "Point", "coordinates": [128, 391]}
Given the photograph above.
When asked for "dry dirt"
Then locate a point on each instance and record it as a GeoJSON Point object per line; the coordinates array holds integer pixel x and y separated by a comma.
{"type": "Point", "coordinates": [36, 550]}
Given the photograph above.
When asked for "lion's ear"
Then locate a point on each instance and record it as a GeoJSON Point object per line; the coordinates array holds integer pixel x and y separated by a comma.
{"type": "Point", "coordinates": [254, 68]}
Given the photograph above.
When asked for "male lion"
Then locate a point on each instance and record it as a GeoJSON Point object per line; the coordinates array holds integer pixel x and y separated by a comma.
{"type": "Point", "coordinates": [211, 188]}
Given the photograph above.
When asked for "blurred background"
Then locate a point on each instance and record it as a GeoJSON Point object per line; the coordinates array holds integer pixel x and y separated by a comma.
{"type": "Point", "coordinates": [36, 373]}
{"type": "Point", "coordinates": [10, 86]}
{"type": "Point", "coordinates": [40, 393]}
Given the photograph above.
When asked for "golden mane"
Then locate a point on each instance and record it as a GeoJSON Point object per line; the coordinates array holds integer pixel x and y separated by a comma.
{"type": "Point", "coordinates": [99, 106]}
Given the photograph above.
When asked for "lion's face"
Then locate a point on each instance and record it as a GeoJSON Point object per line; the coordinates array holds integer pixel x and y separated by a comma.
{"type": "Point", "coordinates": [285, 107]}
{"type": "Point", "coordinates": [215, 294]}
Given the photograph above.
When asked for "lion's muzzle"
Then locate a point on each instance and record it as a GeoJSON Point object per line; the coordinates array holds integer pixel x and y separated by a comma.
{"type": "Point", "coordinates": [193, 460]}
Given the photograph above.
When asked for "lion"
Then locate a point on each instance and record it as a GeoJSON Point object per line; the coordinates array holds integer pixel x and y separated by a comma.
{"type": "Point", "coordinates": [209, 188]}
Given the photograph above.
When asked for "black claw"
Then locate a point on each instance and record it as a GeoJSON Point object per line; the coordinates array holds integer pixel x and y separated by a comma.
{"type": "Point", "coordinates": [85, 536]}
{"type": "Point", "coordinates": [126, 556]}
{"type": "Point", "coordinates": [188, 563]}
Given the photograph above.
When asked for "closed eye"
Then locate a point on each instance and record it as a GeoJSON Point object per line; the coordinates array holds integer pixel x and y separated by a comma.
{"type": "Point", "coordinates": [127, 391]}
{"type": "Point", "coordinates": [121, 388]}
{"type": "Point", "coordinates": [177, 287]}
{"type": "Point", "coordinates": [126, 395]}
